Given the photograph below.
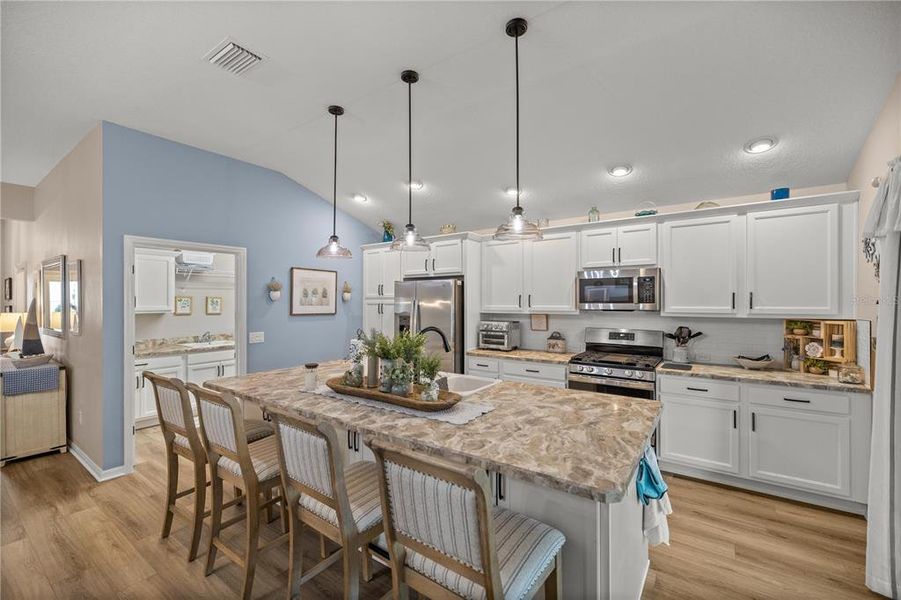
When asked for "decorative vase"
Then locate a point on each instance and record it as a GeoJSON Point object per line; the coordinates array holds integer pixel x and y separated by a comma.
{"type": "Point", "coordinates": [274, 295]}
{"type": "Point", "coordinates": [354, 377]}
{"type": "Point", "coordinates": [796, 363]}
{"type": "Point", "coordinates": [594, 215]}
{"type": "Point", "coordinates": [680, 354]}
{"type": "Point", "coordinates": [401, 388]}
{"type": "Point", "coordinates": [385, 369]}
{"type": "Point", "coordinates": [430, 392]}
{"type": "Point", "coordinates": [372, 371]}
{"type": "Point", "coordinates": [387, 237]}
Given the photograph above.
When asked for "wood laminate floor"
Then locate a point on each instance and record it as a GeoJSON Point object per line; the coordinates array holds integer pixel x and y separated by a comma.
{"type": "Point", "coordinates": [63, 535]}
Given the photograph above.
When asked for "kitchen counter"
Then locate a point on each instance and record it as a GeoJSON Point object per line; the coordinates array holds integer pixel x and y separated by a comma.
{"type": "Point", "coordinates": [582, 443]}
{"type": "Point", "coordinates": [176, 347]}
{"type": "Point", "coordinates": [542, 356]}
{"type": "Point", "coordinates": [767, 376]}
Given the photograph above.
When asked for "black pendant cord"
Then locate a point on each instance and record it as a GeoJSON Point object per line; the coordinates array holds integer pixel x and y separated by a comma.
{"type": "Point", "coordinates": [516, 46]}
{"type": "Point", "coordinates": [335, 184]}
{"type": "Point", "coordinates": [409, 154]}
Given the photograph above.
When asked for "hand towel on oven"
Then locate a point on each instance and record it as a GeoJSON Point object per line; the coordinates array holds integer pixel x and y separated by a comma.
{"type": "Point", "coordinates": [28, 380]}
{"type": "Point", "coordinates": [652, 490]}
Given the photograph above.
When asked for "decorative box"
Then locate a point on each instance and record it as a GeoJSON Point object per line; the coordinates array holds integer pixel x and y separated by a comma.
{"type": "Point", "coordinates": [556, 343]}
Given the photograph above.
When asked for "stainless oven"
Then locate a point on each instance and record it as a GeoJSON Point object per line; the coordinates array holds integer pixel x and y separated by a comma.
{"type": "Point", "coordinates": [612, 385]}
{"type": "Point", "coordinates": [620, 289]}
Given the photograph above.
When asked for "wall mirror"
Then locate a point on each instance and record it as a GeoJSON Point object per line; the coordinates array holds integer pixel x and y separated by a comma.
{"type": "Point", "coordinates": [54, 297]}
{"type": "Point", "coordinates": [75, 294]}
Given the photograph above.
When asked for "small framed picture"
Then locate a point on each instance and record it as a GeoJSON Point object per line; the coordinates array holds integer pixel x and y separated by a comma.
{"type": "Point", "coordinates": [214, 305]}
{"type": "Point", "coordinates": [8, 288]}
{"type": "Point", "coordinates": [313, 291]}
{"type": "Point", "coordinates": [539, 323]}
{"type": "Point", "coordinates": [184, 305]}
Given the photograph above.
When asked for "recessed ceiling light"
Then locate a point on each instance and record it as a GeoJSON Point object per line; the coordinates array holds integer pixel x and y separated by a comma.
{"type": "Point", "coordinates": [620, 170]}
{"type": "Point", "coordinates": [759, 145]}
{"type": "Point", "coordinates": [361, 198]}
{"type": "Point", "coordinates": [416, 185]}
{"type": "Point", "coordinates": [510, 191]}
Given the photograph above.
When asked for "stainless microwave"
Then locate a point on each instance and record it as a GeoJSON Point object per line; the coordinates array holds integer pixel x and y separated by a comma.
{"type": "Point", "coordinates": [620, 289]}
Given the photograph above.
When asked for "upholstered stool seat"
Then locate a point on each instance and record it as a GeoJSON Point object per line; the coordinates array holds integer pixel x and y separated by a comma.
{"type": "Point", "coordinates": [255, 429]}
{"type": "Point", "coordinates": [263, 457]}
{"type": "Point", "coordinates": [362, 480]}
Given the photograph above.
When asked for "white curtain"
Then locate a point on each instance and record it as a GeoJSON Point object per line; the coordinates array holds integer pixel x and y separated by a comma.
{"type": "Point", "coordinates": [884, 510]}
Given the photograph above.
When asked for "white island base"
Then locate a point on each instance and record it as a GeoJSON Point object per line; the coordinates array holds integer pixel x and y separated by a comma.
{"type": "Point", "coordinates": [605, 555]}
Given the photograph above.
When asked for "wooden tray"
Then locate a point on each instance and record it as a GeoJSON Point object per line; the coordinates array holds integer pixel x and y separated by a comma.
{"type": "Point", "coordinates": [445, 399]}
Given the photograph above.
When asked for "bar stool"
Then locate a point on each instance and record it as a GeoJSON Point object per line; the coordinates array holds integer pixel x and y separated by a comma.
{"type": "Point", "coordinates": [182, 440]}
{"type": "Point", "coordinates": [340, 503]}
{"type": "Point", "coordinates": [253, 466]}
{"type": "Point", "coordinates": [446, 541]}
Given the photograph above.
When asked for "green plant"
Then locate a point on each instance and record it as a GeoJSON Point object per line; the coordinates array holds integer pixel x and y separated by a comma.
{"type": "Point", "coordinates": [408, 346]}
{"type": "Point", "coordinates": [792, 325]}
{"type": "Point", "coordinates": [385, 348]}
{"type": "Point", "coordinates": [370, 342]}
{"type": "Point", "coordinates": [429, 366]}
{"type": "Point", "coordinates": [816, 363]}
{"type": "Point", "coordinates": [402, 373]}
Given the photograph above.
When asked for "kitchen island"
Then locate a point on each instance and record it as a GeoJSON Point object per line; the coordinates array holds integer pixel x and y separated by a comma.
{"type": "Point", "coordinates": [562, 456]}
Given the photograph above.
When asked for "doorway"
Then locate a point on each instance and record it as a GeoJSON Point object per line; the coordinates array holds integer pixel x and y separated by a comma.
{"type": "Point", "coordinates": [185, 314]}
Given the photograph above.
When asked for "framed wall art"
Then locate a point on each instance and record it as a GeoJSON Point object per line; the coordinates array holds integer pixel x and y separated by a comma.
{"type": "Point", "coordinates": [313, 291]}
{"type": "Point", "coordinates": [214, 305]}
{"type": "Point", "coordinates": [184, 305]}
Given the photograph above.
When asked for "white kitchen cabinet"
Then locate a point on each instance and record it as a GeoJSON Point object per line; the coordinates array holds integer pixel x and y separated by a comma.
{"type": "Point", "coordinates": [210, 365]}
{"type": "Point", "coordinates": [381, 268]}
{"type": "Point", "coordinates": [627, 245]}
{"type": "Point", "coordinates": [793, 261]}
{"type": "Point", "coordinates": [145, 403]}
{"type": "Point", "coordinates": [154, 281]}
{"type": "Point", "coordinates": [351, 444]}
{"type": "Point", "coordinates": [700, 264]}
{"type": "Point", "coordinates": [502, 276]}
{"type": "Point", "coordinates": [550, 273]}
{"type": "Point", "coordinates": [700, 432]}
{"type": "Point", "coordinates": [444, 259]}
{"type": "Point", "coordinates": [378, 315]}
{"type": "Point", "coordinates": [801, 449]}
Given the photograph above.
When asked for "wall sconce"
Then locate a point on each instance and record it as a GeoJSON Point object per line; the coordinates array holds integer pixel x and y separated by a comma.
{"type": "Point", "coordinates": [345, 292]}
{"type": "Point", "coordinates": [275, 289]}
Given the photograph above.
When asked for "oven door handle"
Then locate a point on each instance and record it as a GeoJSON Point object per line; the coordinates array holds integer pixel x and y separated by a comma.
{"type": "Point", "coordinates": [612, 381]}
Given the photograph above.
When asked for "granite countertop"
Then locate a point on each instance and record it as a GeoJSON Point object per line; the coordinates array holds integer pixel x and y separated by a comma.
{"type": "Point", "coordinates": [175, 346]}
{"type": "Point", "coordinates": [582, 443]}
{"type": "Point", "coordinates": [525, 355]}
{"type": "Point", "coordinates": [767, 376]}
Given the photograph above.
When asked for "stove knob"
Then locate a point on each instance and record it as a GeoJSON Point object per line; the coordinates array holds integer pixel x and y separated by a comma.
{"type": "Point", "coordinates": [639, 374]}
{"type": "Point", "coordinates": [628, 373]}
{"type": "Point", "coordinates": [608, 371]}
{"type": "Point", "coordinates": [581, 368]}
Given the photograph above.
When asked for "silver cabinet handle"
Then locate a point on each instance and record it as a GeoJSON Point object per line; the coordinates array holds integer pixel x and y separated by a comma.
{"type": "Point", "coordinates": [751, 299]}
{"type": "Point", "coordinates": [433, 264]}
{"type": "Point", "coordinates": [619, 252]}
{"type": "Point", "coordinates": [426, 267]}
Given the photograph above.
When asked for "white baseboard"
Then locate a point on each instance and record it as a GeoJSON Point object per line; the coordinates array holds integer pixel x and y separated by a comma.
{"type": "Point", "coordinates": [92, 468]}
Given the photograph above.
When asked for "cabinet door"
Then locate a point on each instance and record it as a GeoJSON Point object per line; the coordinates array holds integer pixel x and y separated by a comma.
{"type": "Point", "coordinates": [502, 276]}
{"type": "Point", "coordinates": [700, 433]}
{"type": "Point", "coordinates": [637, 244]}
{"type": "Point", "coordinates": [415, 264]}
{"type": "Point", "coordinates": [372, 273]}
{"type": "Point", "coordinates": [598, 247]}
{"type": "Point", "coordinates": [447, 257]}
{"type": "Point", "coordinates": [229, 368]}
{"type": "Point", "coordinates": [391, 271]}
{"type": "Point", "coordinates": [550, 273]}
{"type": "Point", "coordinates": [793, 266]}
{"type": "Point", "coordinates": [700, 265]}
{"type": "Point", "coordinates": [140, 386]}
{"type": "Point", "coordinates": [801, 449]}
{"type": "Point", "coordinates": [154, 282]}
{"type": "Point", "coordinates": [203, 372]}
{"type": "Point", "coordinates": [372, 316]}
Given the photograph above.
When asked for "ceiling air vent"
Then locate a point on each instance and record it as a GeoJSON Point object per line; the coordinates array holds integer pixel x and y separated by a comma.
{"type": "Point", "coordinates": [233, 58]}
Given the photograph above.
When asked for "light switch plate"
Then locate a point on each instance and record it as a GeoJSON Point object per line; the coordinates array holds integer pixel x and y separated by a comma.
{"type": "Point", "coordinates": [256, 337]}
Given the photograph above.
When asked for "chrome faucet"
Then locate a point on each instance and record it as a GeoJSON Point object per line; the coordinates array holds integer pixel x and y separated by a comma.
{"type": "Point", "coordinates": [207, 337]}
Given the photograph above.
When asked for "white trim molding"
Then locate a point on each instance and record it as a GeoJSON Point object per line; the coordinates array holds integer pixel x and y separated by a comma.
{"type": "Point", "coordinates": [91, 467]}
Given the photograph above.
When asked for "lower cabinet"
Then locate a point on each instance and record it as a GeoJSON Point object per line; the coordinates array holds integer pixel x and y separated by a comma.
{"type": "Point", "coordinates": [210, 365]}
{"type": "Point", "coordinates": [551, 375]}
{"type": "Point", "coordinates": [351, 442]}
{"type": "Point", "coordinates": [700, 432]}
{"type": "Point", "coordinates": [145, 402]}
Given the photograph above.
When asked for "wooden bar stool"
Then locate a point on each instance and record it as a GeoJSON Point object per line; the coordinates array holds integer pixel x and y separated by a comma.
{"type": "Point", "coordinates": [252, 466]}
{"type": "Point", "coordinates": [446, 541]}
{"type": "Point", "coordinates": [179, 427]}
{"type": "Point", "coordinates": [340, 503]}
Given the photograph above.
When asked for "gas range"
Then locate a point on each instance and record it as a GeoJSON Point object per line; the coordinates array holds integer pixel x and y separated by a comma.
{"type": "Point", "coordinates": [618, 361]}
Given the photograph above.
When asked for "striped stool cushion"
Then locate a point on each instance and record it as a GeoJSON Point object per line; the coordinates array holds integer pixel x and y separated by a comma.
{"type": "Point", "coordinates": [525, 548]}
{"type": "Point", "coordinates": [362, 480]}
{"type": "Point", "coordinates": [254, 429]}
{"type": "Point", "coordinates": [263, 456]}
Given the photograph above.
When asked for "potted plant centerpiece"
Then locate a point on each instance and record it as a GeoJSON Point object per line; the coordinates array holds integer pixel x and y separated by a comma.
{"type": "Point", "coordinates": [386, 350]}
{"type": "Point", "coordinates": [428, 373]}
{"type": "Point", "coordinates": [401, 378]}
{"type": "Point", "coordinates": [370, 350]}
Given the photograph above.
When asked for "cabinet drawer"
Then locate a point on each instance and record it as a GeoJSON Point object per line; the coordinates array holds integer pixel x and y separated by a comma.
{"type": "Point", "coordinates": [534, 370]}
{"type": "Point", "coordinates": [700, 388]}
{"type": "Point", "coordinates": [488, 366]}
{"type": "Point", "coordinates": [213, 356]}
{"type": "Point", "coordinates": [158, 362]}
{"type": "Point", "coordinates": [798, 399]}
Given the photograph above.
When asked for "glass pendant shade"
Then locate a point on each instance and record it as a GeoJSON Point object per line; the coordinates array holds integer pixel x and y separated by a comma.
{"type": "Point", "coordinates": [517, 228]}
{"type": "Point", "coordinates": [410, 241]}
{"type": "Point", "coordinates": [334, 249]}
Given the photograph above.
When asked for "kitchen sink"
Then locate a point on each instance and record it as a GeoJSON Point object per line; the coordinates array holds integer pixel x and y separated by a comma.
{"type": "Point", "coordinates": [213, 344]}
{"type": "Point", "coordinates": [467, 385]}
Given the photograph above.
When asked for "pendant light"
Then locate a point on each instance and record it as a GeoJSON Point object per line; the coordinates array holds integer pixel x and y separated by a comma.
{"type": "Point", "coordinates": [334, 249]}
{"type": "Point", "coordinates": [517, 227]}
{"type": "Point", "coordinates": [410, 241]}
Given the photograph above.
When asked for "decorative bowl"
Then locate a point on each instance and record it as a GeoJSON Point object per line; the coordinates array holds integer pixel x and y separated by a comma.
{"type": "Point", "coordinates": [754, 364]}
{"type": "Point", "coordinates": [31, 361]}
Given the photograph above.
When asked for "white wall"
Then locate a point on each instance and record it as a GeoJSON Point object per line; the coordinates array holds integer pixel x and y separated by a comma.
{"type": "Point", "coordinates": [16, 202]}
{"type": "Point", "coordinates": [882, 145]}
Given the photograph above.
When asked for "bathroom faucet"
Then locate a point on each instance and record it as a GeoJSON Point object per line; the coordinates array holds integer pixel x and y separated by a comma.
{"type": "Point", "coordinates": [206, 337]}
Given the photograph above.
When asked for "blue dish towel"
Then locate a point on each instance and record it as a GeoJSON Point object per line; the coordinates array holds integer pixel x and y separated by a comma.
{"type": "Point", "coordinates": [649, 483]}
{"type": "Point", "coordinates": [28, 380]}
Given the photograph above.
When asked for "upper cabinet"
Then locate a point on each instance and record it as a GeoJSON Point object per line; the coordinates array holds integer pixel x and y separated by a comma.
{"type": "Point", "coordinates": [381, 268]}
{"type": "Point", "coordinates": [445, 258]}
{"type": "Point", "coordinates": [624, 246]}
{"type": "Point", "coordinates": [700, 261]}
{"type": "Point", "coordinates": [530, 276]}
{"type": "Point", "coordinates": [154, 275]}
{"type": "Point", "coordinates": [793, 261]}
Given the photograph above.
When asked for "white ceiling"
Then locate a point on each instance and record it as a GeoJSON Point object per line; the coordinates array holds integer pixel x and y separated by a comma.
{"type": "Point", "coordinates": [674, 89]}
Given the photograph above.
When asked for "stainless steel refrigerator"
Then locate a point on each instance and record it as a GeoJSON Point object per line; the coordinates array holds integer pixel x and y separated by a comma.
{"type": "Point", "coordinates": [435, 308]}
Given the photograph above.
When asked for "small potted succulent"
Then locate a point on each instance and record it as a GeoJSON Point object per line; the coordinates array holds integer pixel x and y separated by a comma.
{"type": "Point", "coordinates": [799, 327]}
{"type": "Point", "coordinates": [428, 374]}
{"type": "Point", "coordinates": [401, 378]}
{"type": "Point", "coordinates": [275, 289]}
{"type": "Point", "coordinates": [816, 366]}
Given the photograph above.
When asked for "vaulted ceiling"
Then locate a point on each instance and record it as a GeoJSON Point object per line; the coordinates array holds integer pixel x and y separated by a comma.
{"type": "Point", "coordinates": [673, 89]}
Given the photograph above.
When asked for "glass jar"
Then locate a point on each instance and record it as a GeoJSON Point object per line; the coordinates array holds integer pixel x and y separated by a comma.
{"type": "Point", "coordinates": [594, 215]}
{"type": "Point", "coordinates": [310, 377]}
{"type": "Point", "coordinates": [851, 373]}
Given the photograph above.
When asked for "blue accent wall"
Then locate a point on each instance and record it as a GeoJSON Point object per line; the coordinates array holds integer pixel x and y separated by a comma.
{"type": "Point", "coordinates": [158, 188]}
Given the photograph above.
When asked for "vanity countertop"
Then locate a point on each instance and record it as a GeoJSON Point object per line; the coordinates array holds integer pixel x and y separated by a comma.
{"type": "Point", "coordinates": [176, 346]}
{"type": "Point", "coordinates": [542, 356]}
{"type": "Point", "coordinates": [766, 376]}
